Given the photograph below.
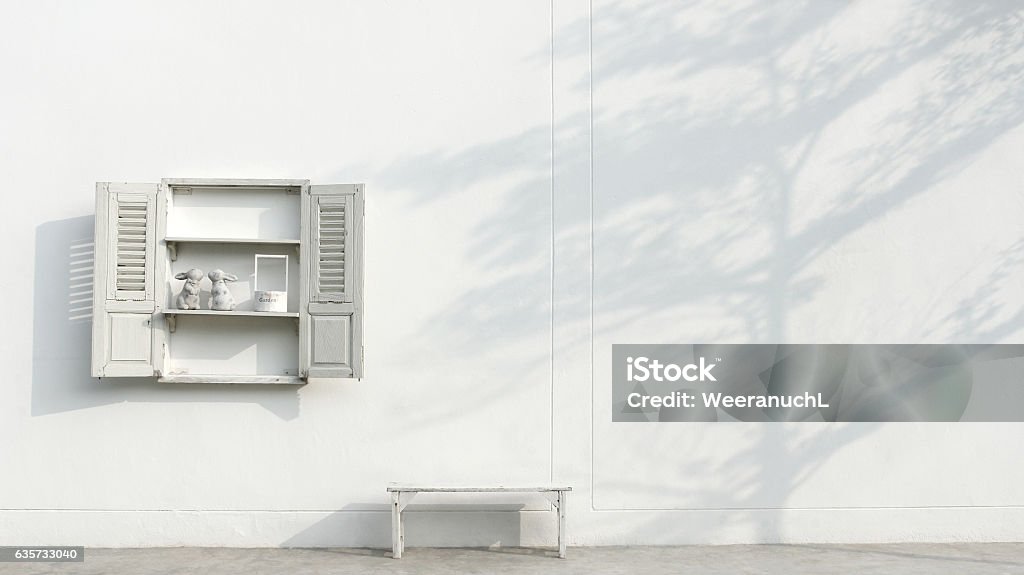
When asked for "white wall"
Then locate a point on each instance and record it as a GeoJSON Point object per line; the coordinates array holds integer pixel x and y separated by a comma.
{"type": "Point", "coordinates": [808, 172]}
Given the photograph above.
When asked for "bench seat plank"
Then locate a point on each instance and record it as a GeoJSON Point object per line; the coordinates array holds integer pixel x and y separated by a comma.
{"type": "Point", "coordinates": [460, 489]}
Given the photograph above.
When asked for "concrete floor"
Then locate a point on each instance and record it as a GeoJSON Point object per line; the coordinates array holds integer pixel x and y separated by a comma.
{"type": "Point", "coordinates": [932, 559]}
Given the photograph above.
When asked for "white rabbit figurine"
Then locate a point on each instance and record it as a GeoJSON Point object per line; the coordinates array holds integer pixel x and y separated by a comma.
{"type": "Point", "coordinates": [220, 295]}
{"type": "Point", "coordinates": [189, 296]}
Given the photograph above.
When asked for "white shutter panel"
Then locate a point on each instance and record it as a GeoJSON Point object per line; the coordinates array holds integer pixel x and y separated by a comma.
{"type": "Point", "coordinates": [124, 279]}
{"type": "Point", "coordinates": [331, 315]}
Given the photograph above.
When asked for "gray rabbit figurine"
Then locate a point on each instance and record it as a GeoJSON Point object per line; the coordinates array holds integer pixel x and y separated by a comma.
{"type": "Point", "coordinates": [189, 296]}
{"type": "Point", "coordinates": [220, 295]}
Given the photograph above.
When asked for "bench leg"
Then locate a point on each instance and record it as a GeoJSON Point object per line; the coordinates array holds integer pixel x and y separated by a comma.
{"type": "Point", "coordinates": [562, 500]}
{"type": "Point", "coordinates": [396, 525]}
{"type": "Point", "coordinates": [401, 530]}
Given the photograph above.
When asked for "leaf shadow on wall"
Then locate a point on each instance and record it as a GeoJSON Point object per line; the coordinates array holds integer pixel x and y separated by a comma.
{"type": "Point", "coordinates": [699, 168]}
{"type": "Point", "coordinates": [722, 215]}
{"type": "Point", "coordinates": [62, 339]}
{"type": "Point", "coordinates": [734, 174]}
{"type": "Point", "coordinates": [710, 209]}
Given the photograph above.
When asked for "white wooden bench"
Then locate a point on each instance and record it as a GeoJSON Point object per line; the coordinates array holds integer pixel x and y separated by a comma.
{"type": "Point", "coordinates": [402, 495]}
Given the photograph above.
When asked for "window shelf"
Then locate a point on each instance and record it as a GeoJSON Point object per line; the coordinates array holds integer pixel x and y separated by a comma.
{"type": "Point", "coordinates": [172, 315]}
{"type": "Point", "coordinates": [240, 379]}
{"type": "Point", "coordinates": [172, 243]}
{"type": "Point", "coordinates": [192, 240]}
{"type": "Point", "coordinates": [235, 313]}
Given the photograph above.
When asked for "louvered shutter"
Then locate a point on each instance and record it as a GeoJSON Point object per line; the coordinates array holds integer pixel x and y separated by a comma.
{"type": "Point", "coordinates": [331, 317]}
{"type": "Point", "coordinates": [131, 216]}
{"type": "Point", "coordinates": [124, 279]}
{"type": "Point", "coordinates": [333, 225]}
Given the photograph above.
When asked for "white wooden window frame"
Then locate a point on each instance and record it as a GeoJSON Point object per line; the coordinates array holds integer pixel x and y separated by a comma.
{"type": "Point", "coordinates": [131, 327]}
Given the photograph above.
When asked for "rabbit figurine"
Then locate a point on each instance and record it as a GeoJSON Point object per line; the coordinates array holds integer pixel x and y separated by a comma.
{"type": "Point", "coordinates": [189, 296]}
{"type": "Point", "coordinates": [220, 295]}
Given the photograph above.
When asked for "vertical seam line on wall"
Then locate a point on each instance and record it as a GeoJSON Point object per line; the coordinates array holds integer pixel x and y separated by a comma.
{"type": "Point", "coordinates": [590, 111]}
{"type": "Point", "coordinates": [551, 355]}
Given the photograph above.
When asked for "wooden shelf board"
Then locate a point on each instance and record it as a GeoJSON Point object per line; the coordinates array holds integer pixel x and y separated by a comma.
{"type": "Point", "coordinates": [235, 379]}
{"type": "Point", "coordinates": [235, 313]}
{"type": "Point", "coordinates": [198, 240]}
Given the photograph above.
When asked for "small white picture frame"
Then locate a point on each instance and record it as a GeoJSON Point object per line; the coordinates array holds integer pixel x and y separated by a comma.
{"type": "Point", "coordinates": [270, 283]}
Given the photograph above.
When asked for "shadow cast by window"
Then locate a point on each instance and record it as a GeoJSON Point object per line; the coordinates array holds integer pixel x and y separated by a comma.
{"type": "Point", "coordinates": [62, 338]}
